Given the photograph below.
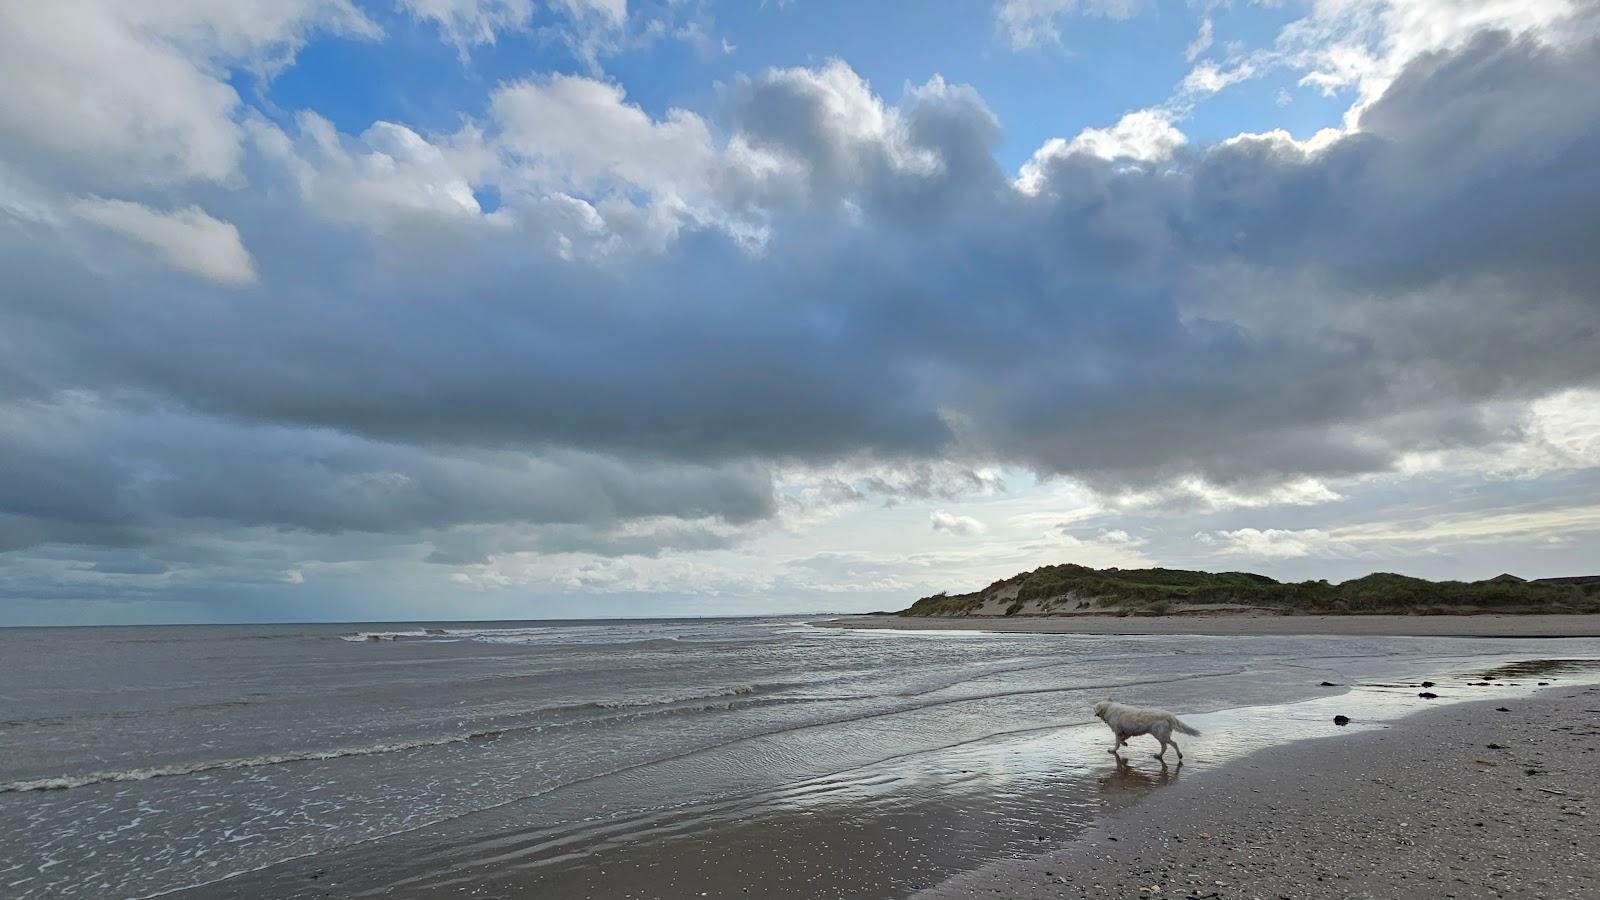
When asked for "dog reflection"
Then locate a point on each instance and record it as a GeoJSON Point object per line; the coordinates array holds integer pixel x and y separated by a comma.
{"type": "Point", "coordinates": [1129, 778]}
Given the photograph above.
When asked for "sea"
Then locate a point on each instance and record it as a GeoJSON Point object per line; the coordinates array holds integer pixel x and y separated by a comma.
{"type": "Point", "coordinates": [704, 757]}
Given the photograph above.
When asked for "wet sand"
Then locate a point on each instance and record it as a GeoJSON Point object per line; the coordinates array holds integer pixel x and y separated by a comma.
{"type": "Point", "coordinates": [1533, 626]}
{"type": "Point", "coordinates": [1272, 798]}
{"type": "Point", "coordinates": [1486, 799]}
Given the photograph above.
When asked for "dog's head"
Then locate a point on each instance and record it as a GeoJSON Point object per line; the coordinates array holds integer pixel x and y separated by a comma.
{"type": "Point", "coordinates": [1100, 709]}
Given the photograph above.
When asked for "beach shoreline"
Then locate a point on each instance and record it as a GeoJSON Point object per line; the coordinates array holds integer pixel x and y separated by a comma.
{"type": "Point", "coordinates": [1482, 799]}
{"type": "Point", "coordinates": [1264, 784]}
{"type": "Point", "coordinates": [1483, 626]}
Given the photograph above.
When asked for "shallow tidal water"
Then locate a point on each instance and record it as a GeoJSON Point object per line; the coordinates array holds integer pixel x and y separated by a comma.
{"type": "Point", "coordinates": [632, 758]}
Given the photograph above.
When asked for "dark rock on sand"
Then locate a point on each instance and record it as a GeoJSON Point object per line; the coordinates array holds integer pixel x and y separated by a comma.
{"type": "Point", "coordinates": [1501, 709]}
{"type": "Point", "coordinates": [1427, 695]}
{"type": "Point", "coordinates": [1341, 720]}
{"type": "Point", "coordinates": [1427, 684]}
{"type": "Point", "coordinates": [1327, 684]}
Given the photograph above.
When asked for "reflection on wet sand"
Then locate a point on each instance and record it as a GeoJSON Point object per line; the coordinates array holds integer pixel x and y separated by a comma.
{"type": "Point", "coordinates": [883, 830]}
{"type": "Point", "coordinates": [1127, 777]}
{"type": "Point", "coordinates": [1534, 668]}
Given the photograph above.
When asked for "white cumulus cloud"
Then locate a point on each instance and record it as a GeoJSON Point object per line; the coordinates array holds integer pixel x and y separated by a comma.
{"type": "Point", "coordinates": [1270, 543]}
{"type": "Point", "coordinates": [954, 524]}
{"type": "Point", "coordinates": [1145, 135]}
{"type": "Point", "coordinates": [112, 92]}
{"type": "Point", "coordinates": [187, 238]}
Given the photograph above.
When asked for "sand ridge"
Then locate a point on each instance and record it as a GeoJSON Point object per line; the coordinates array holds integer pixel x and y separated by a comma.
{"type": "Point", "coordinates": [1488, 625]}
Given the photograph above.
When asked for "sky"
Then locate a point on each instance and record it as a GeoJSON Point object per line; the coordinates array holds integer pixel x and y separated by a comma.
{"type": "Point", "coordinates": [325, 310]}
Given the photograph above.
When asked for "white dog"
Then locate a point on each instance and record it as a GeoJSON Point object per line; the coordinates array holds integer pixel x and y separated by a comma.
{"type": "Point", "coordinates": [1131, 721]}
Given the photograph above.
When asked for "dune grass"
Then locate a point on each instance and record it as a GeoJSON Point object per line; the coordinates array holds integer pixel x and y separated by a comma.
{"type": "Point", "coordinates": [1163, 591]}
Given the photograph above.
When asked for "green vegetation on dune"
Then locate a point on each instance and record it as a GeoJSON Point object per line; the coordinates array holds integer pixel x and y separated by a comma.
{"type": "Point", "coordinates": [1079, 589]}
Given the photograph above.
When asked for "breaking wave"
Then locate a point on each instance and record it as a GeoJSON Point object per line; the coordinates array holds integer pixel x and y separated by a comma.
{"type": "Point", "coordinates": [577, 635]}
{"type": "Point", "coordinates": [362, 636]}
{"type": "Point", "coordinates": [736, 691]}
{"type": "Point", "coordinates": [65, 782]}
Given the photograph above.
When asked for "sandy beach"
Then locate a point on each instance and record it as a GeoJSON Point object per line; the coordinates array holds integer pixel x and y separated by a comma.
{"type": "Point", "coordinates": [1531, 626]}
{"type": "Point", "coordinates": [739, 758]}
{"type": "Point", "coordinates": [734, 450]}
{"type": "Point", "coordinates": [1480, 798]}
{"type": "Point", "coordinates": [1487, 799]}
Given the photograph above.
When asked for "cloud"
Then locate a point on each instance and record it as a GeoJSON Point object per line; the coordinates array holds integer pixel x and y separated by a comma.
{"type": "Point", "coordinates": [1201, 43]}
{"type": "Point", "coordinates": [828, 144]}
{"type": "Point", "coordinates": [612, 11]}
{"type": "Point", "coordinates": [1118, 536]}
{"type": "Point", "coordinates": [1031, 23]}
{"type": "Point", "coordinates": [1479, 527]}
{"type": "Point", "coordinates": [1366, 43]}
{"type": "Point", "coordinates": [628, 575]}
{"type": "Point", "coordinates": [187, 239]}
{"type": "Point", "coordinates": [954, 524]}
{"type": "Point", "coordinates": [1103, 548]}
{"type": "Point", "coordinates": [89, 472]}
{"type": "Point", "coordinates": [466, 23]}
{"type": "Point", "coordinates": [1397, 538]}
{"type": "Point", "coordinates": [1209, 78]}
{"type": "Point", "coordinates": [1182, 495]}
{"type": "Point", "coordinates": [590, 28]}
{"type": "Point", "coordinates": [1261, 311]}
{"type": "Point", "coordinates": [1142, 136]}
{"type": "Point", "coordinates": [583, 134]}
{"type": "Point", "coordinates": [1361, 46]}
{"type": "Point", "coordinates": [1272, 543]}
{"type": "Point", "coordinates": [106, 93]}
{"type": "Point", "coordinates": [387, 177]}
{"type": "Point", "coordinates": [813, 493]}
{"type": "Point", "coordinates": [666, 315]}
{"type": "Point", "coordinates": [1557, 433]}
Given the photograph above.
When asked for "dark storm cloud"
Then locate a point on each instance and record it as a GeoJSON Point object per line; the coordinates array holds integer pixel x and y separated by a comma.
{"type": "Point", "coordinates": [83, 472]}
{"type": "Point", "coordinates": [1251, 312]}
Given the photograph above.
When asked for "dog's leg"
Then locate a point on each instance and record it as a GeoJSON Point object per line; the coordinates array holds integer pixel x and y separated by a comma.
{"type": "Point", "coordinates": [1163, 754]}
{"type": "Point", "coordinates": [1116, 743]}
{"type": "Point", "coordinates": [1179, 749]}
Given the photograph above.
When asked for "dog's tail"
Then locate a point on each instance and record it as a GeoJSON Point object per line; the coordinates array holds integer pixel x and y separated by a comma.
{"type": "Point", "coordinates": [1179, 727]}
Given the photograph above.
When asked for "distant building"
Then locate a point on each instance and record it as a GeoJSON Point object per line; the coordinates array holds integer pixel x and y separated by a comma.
{"type": "Point", "coordinates": [1570, 579]}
